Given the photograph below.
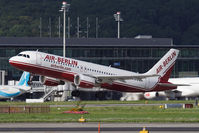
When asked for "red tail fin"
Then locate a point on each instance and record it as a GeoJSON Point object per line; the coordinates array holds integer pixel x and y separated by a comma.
{"type": "Point", "coordinates": [165, 65]}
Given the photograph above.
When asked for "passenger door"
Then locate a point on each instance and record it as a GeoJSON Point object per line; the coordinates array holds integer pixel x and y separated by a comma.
{"type": "Point", "coordinates": [38, 59]}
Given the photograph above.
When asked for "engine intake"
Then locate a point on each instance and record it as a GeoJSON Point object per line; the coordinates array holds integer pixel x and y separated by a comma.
{"type": "Point", "coordinates": [84, 81]}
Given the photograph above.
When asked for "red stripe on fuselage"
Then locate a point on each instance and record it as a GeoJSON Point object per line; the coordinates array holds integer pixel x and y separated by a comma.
{"type": "Point", "coordinates": [45, 71]}
{"type": "Point", "coordinates": [69, 76]}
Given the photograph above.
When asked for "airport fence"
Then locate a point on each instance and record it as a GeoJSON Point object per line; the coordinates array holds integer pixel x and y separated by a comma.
{"type": "Point", "coordinates": [25, 109]}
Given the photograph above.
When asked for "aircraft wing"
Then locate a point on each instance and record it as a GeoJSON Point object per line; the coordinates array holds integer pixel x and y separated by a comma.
{"type": "Point", "coordinates": [111, 78]}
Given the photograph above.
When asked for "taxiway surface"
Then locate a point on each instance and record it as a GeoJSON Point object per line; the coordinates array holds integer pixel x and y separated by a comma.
{"type": "Point", "coordinates": [93, 127]}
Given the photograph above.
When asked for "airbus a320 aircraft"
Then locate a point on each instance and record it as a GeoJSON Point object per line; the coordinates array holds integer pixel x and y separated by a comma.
{"type": "Point", "coordinates": [8, 91]}
{"type": "Point", "coordinates": [55, 70]}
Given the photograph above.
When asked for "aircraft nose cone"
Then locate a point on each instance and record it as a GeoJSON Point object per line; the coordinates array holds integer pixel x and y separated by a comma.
{"type": "Point", "coordinates": [12, 60]}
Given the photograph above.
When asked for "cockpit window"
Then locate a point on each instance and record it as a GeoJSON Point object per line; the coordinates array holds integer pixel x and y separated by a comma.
{"type": "Point", "coordinates": [24, 55]}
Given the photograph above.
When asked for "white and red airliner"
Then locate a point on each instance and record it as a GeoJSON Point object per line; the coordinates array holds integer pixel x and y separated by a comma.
{"type": "Point", "coordinates": [55, 70]}
{"type": "Point", "coordinates": [189, 88]}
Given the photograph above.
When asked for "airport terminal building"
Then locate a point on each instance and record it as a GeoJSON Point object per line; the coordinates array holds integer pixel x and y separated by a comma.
{"type": "Point", "coordinates": [133, 54]}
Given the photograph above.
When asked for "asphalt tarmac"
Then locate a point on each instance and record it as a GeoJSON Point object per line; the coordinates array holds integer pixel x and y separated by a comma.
{"type": "Point", "coordinates": [93, 127]}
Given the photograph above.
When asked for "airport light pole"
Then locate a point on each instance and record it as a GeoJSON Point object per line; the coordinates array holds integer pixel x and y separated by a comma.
{"type": "Point", "coordinates": [118, 18]}
{"type": "Point", "coordinates": [64, 9]}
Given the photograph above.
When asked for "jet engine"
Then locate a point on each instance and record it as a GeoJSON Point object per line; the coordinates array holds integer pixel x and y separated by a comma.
{"type": "Point", "coordinates": [84, 81]}
{"type": "Point", "coordinates": [153, 95]}
{"type": "Point", "coordinates": [50, 81]}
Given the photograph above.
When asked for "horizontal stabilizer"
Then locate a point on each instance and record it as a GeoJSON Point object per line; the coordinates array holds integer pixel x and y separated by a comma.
{"type": "Point", "coordinates": [172, 85]}
{"type": "Point", "coordinates": [24, 88]}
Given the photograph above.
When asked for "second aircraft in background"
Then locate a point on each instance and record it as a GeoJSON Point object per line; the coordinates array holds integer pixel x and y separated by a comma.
{"type": "Point", "coordinates": [9, 91]}
{"type": "Point", "coordinates": [190, 89]}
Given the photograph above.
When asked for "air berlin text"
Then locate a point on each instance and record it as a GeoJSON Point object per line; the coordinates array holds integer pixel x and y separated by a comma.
{"type": "Point", "coordinates": [166, 62]}
{"type": "Point", "coordinates": [60, 60]}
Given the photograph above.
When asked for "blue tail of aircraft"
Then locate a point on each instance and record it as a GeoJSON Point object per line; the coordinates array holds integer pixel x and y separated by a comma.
{"type": "Point", "coordinates": [24, 79]}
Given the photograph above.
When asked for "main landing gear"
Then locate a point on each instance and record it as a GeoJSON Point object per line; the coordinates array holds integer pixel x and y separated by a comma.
{"type": "Point", "coordinates": [75, 92]}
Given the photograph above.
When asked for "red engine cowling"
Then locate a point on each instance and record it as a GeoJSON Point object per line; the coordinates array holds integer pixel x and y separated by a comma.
{"type": "Point", "coordinates": [48, 81]}
{"type": "Point", "coordinates": [84, 81]}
